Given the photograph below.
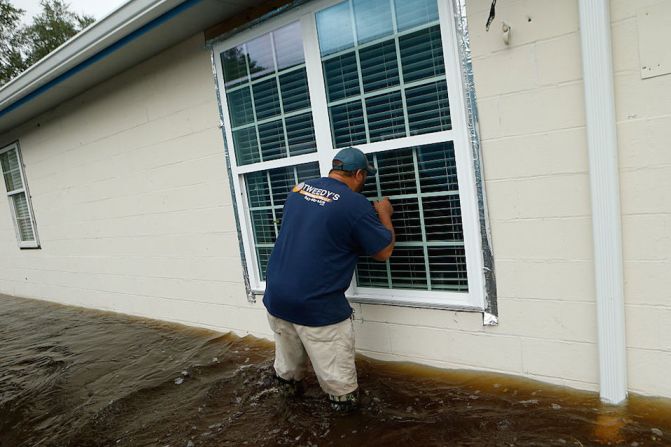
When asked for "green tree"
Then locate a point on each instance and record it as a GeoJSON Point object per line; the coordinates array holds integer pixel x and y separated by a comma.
{"type": "Point", "coordinates": [23, 46]}
{"type": "Point", "coordinates": [11, 41]}
{"type": "Point", "coordinates": [51, 28]}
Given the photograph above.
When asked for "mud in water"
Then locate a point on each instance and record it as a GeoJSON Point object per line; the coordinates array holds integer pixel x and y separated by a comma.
{"type": "Point", "coordinates": [74, 377]}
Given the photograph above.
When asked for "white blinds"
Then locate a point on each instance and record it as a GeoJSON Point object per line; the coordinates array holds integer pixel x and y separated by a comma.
{"type": "Point", "coordinates": [23, 220]}
{"type": "Point", "coordinates": [11, 172]}
{"type": "Point", "coordinates": [422, 185]}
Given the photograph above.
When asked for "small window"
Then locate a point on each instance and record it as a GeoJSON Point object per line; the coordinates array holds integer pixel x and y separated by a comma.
{"type": "Point", "coordinates": [19, 198]}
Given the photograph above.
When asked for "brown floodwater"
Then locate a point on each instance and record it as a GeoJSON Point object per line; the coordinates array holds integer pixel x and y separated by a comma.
{"type": "Point", "coordinates": [76, 377]}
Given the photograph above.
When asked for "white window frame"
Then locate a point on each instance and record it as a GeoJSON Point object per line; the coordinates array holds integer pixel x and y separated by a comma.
{"type": "Point", "coordinates": [474, 299]}
{"type": "Point", "coordinates": [22, 244]}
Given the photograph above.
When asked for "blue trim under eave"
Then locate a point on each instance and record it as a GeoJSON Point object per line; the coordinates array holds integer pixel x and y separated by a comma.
{"type": "Point", "coordinates": [102, 54]}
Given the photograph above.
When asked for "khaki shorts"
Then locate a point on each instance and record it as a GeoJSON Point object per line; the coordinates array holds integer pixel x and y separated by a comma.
{"type": "Point", "coordinates": [329, 348]}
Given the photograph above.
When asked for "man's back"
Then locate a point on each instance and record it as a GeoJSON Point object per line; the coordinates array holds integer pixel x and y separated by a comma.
{"type": "Point", "coordinates": [325, 228]}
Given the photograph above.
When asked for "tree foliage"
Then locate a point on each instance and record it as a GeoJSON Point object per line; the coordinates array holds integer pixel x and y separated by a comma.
{"type": "Point", "coordinates": [23, 45]}
{"type": "Point", "coordinates": [11, 59]}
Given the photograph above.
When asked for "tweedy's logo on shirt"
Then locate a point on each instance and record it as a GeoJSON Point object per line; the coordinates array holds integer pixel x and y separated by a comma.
{"type": "Point", "coordinates": [315, 195]}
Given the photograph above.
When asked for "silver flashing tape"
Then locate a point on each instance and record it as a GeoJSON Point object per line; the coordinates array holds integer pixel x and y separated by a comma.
{"type": "Point", "coordinates": [490, 314]}
{"type": "Point", "coordinates": [245, 273]}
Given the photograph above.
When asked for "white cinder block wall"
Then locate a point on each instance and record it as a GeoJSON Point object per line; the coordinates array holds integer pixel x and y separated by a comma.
{"type": "Point", "coordinates": [134, 211]}
{"type": "Point", "coordinates": [643, 108]}
{"type": "Point", "coordinates": [132, 202]}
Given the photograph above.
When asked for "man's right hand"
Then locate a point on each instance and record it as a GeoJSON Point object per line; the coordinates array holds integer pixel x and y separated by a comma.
{"type": "Point", "coordinates": [383, 207]}
{"type": "Point", "coordinates": [384, 211]}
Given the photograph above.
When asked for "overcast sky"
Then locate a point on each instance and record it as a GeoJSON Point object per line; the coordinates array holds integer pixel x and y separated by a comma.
{"type": "Point", "coordinates": [97, 9]}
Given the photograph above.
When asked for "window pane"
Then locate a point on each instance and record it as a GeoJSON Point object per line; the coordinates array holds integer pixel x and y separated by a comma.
{"type": "Point", "coordinates": [371, 273]}
{"type": "Point", "coordinates": [13, 180]}
{"type": "Point", "coordinates": [260, 53]}
{"type": "Point", "coordinates": [448, 269]}
{"type": "Point", "coordinates": [295, 93]}
{"type": "Point", "coordinates": [271, 139]}
{"type": "Point", "coordinates": [379, 66]}
{"type": "Point", "coordinates": [264, 227]}
{"type": "Point", "coordinates": [422, 54]}
{"type": "Point", "coordinates": [23, 217]}
{"type": "Point", "coordinates": [288, 46]}
{"type": "Point", "coordinates": [308, 171]}
{"type": "Point", "coordinates": [348, 125]}
{"type": "Point", "coordinates": [428, 108]}
{"type": "Point", "coordinates": [396, 172]}
{"type": "Point", "coordinates": [370, 187]}
{"type": "Point", "coordinates": [257, 189]}
{"type": "Point", "coordinates": [263, 255]}
{"type": "Point", "coordinates": [385, 117]}
{"type": "Point", "coordinates": [234, 63]}
{"type": "Point", "coordinates": [281, 182]}
{"type": "Point", "coordinates": [373, 19]}
{"type": "Point", "coordinates": [246, 146]}
{"type": "Point", "coordinates": [341, 77]}
{"type": "Point", "coordinates": [9, 161]}
{"type": "Point", "coordinates": [437, 167]}
{"type": "Point", "coordinates": [406, 220]}
{"type": "Point", "coordinates": [334, 27]}
{"type": "Point", "coordinates": [301, 134]}
{"type": "Point", "coordinates": [240, 107]}
{"type": "Point", "coordinates": [408, 270]}
{"type": "Point", "coordinates": [266, 99]}
{"type": "Point", "coordinates": [411, 13]}
{"type": "Point", "coordinates": [442, 219]}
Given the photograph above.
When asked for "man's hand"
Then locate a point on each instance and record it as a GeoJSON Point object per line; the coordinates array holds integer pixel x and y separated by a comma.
{"type": "Point", "coordinates": [384, 211]}
{"type": "Point", "coordinates": [383, 207]}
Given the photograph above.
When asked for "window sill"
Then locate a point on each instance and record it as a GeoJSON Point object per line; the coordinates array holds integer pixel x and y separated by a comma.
{"type": "Point", "coordinates": [30, 247]}
{"type": "Point", "coordinates": [424, 301]}
{"type": "Point", "coordinates": [421, 300]}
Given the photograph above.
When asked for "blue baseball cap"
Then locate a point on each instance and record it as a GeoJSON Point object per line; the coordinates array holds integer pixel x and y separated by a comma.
{"type": "Point", "coordinates": [353, 159]}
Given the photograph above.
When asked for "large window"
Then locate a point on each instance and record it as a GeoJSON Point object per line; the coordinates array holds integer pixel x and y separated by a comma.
{"type": "Point", "coordinates": [19, 199]}
{"type": "Point", "coordinates": [381, 75]}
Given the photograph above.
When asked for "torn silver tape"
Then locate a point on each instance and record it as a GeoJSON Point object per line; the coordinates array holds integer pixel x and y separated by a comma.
{"type": "Point", "coordinates": [245, 273]}
{"type": "Point", "coordinates": [490, 315]}
{"type": "Point", "coordinates": [489, 319]}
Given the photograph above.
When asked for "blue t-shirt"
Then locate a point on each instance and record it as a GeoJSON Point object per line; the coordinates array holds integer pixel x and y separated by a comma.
{"type": "Point", "coordinates": [325, 228]}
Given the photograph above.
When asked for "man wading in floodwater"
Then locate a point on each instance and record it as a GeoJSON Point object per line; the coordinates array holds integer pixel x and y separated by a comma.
{"type": "Point", "coordinates": [327, 224]}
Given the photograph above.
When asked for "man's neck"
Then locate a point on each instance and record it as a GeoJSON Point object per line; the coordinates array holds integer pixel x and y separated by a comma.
{"type": "Point", "coordinates": [349, 181]}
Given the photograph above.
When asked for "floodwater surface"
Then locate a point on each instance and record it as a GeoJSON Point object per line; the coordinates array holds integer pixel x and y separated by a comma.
{"type": "Point", "coordinates": [75, 377]}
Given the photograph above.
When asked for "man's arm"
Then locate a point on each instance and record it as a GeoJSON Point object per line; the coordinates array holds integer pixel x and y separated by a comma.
{"type": "Point", "coordinates": [384, 212]}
